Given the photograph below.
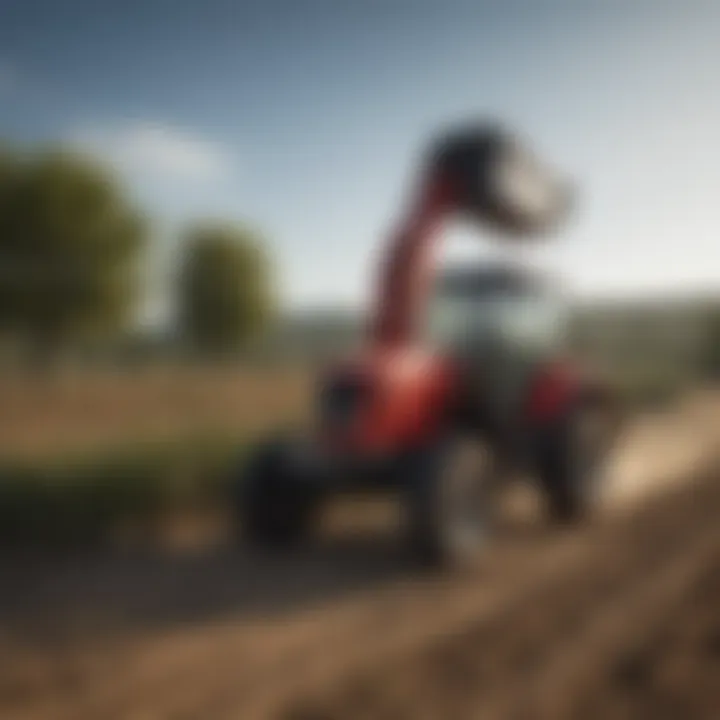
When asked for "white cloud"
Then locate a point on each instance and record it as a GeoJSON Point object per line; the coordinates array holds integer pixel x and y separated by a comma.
{"type": "Point", "coordinates": [156, 150]}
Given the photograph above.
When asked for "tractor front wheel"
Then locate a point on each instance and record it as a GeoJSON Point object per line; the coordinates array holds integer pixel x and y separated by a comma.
{"type": "Point", "coordinates": [275, 506]}
{"type": "Point", "coordinates": [450, 491]}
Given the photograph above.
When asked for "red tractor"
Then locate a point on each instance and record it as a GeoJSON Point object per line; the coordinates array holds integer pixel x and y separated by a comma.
{"type": "Point", "coordinates": [465, 379]}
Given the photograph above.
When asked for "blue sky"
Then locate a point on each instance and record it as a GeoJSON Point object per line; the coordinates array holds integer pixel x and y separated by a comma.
{"type": "Point", "coordinates": [306, 117]}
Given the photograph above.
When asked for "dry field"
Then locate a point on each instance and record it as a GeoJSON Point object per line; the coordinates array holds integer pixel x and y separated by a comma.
{"type": "Point", "coordinates": [617, 619]}
{"type": "Point", "coordinates": [88, 410]}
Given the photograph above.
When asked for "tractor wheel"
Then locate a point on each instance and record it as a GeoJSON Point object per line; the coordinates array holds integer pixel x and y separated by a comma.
{"type": "Point", "coordinates": [573, 461]}
{"type": "Point", "coordinates": [274, 505]}
{"type": "Point", "coordinates": [449, 498]}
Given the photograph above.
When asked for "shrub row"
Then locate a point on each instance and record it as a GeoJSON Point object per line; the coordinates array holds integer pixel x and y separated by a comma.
{"type": "Point", "coordinates": [86, 499]}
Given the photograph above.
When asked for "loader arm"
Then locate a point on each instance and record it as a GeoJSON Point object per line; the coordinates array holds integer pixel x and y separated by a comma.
{"type": "Point", "coordinates": [480, 171]}
{"type": "Point", "coordinates": [406, 269]}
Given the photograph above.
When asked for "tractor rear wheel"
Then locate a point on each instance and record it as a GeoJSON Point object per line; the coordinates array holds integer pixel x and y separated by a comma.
{"type": "Point", "coordinates": [573, 461]}
{"type": "Point", "coordinates": [449, 496]}
{"type": "Point", "coordinates": [274, 505]}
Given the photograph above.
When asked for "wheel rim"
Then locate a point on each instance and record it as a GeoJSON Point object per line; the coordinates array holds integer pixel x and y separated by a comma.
{"type": "Point", "coordinates": [466, 501]}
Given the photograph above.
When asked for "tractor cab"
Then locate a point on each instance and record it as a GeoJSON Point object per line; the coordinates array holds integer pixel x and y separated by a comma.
{"type": "Point", "coordinates": [500, 325]}
{"type": "Point", "coordinates": [497, 312]}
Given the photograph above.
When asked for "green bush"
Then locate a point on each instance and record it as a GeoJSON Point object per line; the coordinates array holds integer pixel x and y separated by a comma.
{"type": "Point", "coordinates": [84, 500]}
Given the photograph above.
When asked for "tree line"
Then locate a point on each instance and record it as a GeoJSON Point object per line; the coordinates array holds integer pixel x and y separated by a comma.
{"type": "Point", "coordinates": [73, 251]}
{"type": "Point", "coordinates": [73, 248]}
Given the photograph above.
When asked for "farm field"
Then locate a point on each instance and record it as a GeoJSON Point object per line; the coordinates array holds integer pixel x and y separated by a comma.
{"type": "Point", "coordinates": [614, 619]}
{"type": "Point", "coordinates": [88, 410]}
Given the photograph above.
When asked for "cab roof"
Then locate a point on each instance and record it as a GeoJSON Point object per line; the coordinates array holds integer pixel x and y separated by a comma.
{"type": "Point", "coordinates": [492, 280]}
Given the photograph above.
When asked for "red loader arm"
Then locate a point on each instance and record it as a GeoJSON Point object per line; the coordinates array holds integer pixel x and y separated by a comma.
{"type": "Point", "coordinates": [405, 271]}
{"type": "Point", "coordinates": [481, 171]}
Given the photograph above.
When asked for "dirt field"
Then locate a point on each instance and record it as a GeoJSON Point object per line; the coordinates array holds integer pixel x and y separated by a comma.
{"type": "Point", "coordinates": [84, 410]}
{"type": "Point", "coordinates": [617, 619]}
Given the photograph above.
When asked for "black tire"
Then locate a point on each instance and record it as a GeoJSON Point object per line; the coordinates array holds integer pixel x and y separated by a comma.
{"type": "Point", "coordinates": [458, 473]}
{"type": "Point", "coordinates": [275, 507]}
{"type": "Point", "coordinates": [572, 463]}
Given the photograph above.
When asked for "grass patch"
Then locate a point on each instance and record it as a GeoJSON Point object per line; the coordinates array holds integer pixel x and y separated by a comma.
{"type": "Point", "coordinates": [85, 499]}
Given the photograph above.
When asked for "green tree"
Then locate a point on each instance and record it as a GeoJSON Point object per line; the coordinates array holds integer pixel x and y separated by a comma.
{"type": "Point", "coordinates": [70, 250]}
{"type": "Point", "coordinates": [225, 290]}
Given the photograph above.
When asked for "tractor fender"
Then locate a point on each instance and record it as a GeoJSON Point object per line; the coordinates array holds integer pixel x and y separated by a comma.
{"type": "Point", "coordinates": [553, 390]}
{"type": "Point", "coordinates": [559, 398]}
{"type": "Point", "coordinates": [559, 389]}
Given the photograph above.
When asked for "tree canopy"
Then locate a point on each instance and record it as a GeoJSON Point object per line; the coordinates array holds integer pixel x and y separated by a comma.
{"type": "Point", "coordinates": [70, 249]}
{"type": "Point", "coordinates": [225, 287]}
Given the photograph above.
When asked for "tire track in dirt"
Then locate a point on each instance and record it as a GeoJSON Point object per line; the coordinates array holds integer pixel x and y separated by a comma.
{"type": "Point", "coordinates": [165, 677]}
{"type": "Point", "coordinates": [399, 626]}
{"type": "Point", "coordinates": [628, 620]}
{"type": "Point", "coordinates": [548, 647]}
{"type": "Point", "coordinates": [393, 627]}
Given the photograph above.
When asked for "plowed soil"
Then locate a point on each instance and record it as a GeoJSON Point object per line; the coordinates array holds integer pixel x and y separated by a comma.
{"type": "Point", "coordinates": [619, 618]}
{"type": "Point", "coordinates": [631, 629]}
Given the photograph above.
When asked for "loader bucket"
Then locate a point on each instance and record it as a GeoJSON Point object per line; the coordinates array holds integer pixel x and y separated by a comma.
{"type": "Point", "coordinates": [498, 182]}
